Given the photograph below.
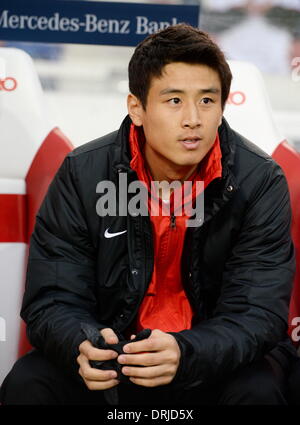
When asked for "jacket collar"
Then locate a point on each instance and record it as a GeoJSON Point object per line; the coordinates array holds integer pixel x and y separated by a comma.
{"type": "Point", "coordinates": [228, 146]}
{"type": "Point", "coordinates": [122, 155]}
{"type": "Point", "coordinates": [221, 191]}
{"type": "Point", "coordinates": [216, 194]}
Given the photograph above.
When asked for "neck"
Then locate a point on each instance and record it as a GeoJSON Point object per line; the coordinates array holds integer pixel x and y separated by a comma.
{"type": "Point", "coordinates": [161, 171]}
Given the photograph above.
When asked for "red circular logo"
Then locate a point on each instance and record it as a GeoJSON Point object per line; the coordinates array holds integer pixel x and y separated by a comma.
{"type": "Point", "coordinates": [236, 98]}
{"type": "Point", "coordinates": [8, 84]}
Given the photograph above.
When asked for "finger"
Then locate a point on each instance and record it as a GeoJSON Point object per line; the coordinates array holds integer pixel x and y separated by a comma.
{"type": "Point", "coordinates": [92, 353]}
{"type": "Point", "coordinates": [92, 374]}
{"type": "Point", "coordinates": [149, 344]}
{"type": "Point", "coordinates": [109, 336]}
{"type": "Point", "coordinates": [96, 374]}
{"type": "Point", "coordinates": [98, 385]}
{"type": "Point", "coordinates": [155, 382]}
{"type": "Point", "coordinates": [148, 372]}
{"type": "Point", "coordinates": [144, 359]}
{"type": "Point", "coordinates": [132, 337]}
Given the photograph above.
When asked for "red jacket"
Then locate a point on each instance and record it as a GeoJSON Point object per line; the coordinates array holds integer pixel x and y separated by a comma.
{"type": "Point", "coordinates": [165, 305]}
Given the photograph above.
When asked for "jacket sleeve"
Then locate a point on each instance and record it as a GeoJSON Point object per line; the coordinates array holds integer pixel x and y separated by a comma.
{"type": "Point", "coordinates": [60, 283]}
{"type": "Point", "coordinates": [251, 314]}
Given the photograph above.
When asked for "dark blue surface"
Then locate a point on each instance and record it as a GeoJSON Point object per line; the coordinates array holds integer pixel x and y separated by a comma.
{"type": "Point", "coordinates": [86, 22]}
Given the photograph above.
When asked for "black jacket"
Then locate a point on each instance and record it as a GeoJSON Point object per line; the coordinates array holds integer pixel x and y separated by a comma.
{"type": "Point", "coordinates": [237, 267]}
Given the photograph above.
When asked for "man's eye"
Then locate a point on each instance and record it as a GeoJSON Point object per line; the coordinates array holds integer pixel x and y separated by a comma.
{"type": "Point", "coordinates": [174, 100]}
{"type": "Point", "coordinates": [207, 100]}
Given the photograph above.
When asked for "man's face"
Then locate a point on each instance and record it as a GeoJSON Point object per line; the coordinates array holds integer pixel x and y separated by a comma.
{"type": "Point", "coordinates": [182, 116]}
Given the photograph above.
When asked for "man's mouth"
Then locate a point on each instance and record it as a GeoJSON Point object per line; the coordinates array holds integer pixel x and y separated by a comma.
{"type": "Point", "coordinates": [190, 143]}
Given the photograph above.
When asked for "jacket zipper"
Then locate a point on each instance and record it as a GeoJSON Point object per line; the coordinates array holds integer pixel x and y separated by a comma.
{"type": "Point", "coordinates": [172, 221]}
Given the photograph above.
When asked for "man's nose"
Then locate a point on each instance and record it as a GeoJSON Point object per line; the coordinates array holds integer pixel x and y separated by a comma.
{"type": "Point", "coordinates": [191, 116]}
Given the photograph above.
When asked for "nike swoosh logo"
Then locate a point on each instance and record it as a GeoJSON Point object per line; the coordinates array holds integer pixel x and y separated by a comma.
{"type": "Point", "coordinates": [112, 235]}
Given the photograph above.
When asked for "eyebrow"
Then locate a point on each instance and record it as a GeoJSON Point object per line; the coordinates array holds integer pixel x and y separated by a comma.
{"type": "Point", "coordinates": [212, 90]}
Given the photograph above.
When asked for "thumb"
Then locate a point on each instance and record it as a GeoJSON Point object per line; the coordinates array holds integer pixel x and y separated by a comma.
{"type": "Point", "coordinates": [109, 336]}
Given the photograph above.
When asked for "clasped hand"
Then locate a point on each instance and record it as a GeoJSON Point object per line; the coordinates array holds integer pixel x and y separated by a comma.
{"type": "Point", "coordinates": [159, 354]}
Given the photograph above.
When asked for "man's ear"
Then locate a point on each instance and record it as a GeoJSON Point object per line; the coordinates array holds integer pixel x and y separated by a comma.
{"type": "Point", "coordinates": [135, 109]}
